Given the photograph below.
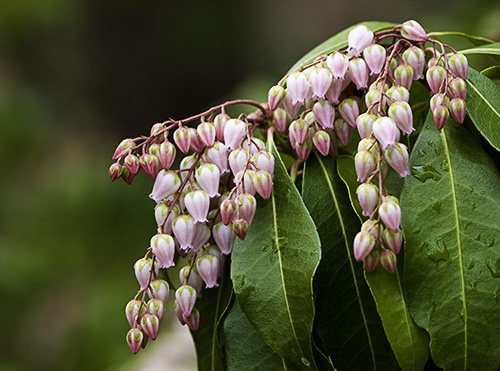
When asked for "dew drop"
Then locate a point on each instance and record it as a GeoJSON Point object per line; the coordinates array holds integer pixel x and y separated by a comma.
{"type": "Point", "coordinates": [421, 153]}
{"type": "Point", "coordinates": [436, 206]}
{"type": "Point", "coordinates": [467, 225]}
{"type": "Point", "coordinates": [417, 230]}
{"type": "Point", "coordinates": [493, 267]}
{"type": "Point", "coordinates": [437, 150]}
{"type": "Point", "coordinates": [489, 242]}
{"type": "Point", "coordinates": [305, 361]}
{"type": "Point", "coordinates": [422, 173]}
{"type": "Point", "coordinates": [444, 165]}
{"type": "Point", "coordinates": [473, 285]}
{"type": "Point", "coordinates": [430, 142]}
{"type": "Point", "coordinates": [477, 237]}
{"type": "Point", "coordinates": [471, 265]}
{"type": "Point", "coordinates": [437, 251]}
{"type": "Point", "coordinates": [471, 189]}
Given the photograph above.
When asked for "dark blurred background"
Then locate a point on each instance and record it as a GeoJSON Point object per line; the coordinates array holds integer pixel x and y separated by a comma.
{"type": "Point", "coordinates": [76, 77]}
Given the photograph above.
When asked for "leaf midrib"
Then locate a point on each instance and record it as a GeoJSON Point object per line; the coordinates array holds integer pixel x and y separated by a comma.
{"type": "Point", "coordinates": [459, 241]}
{"type": "Point", "coordinates": [484, 98]}
{"type": "Point", "coordinates": [337, 208]}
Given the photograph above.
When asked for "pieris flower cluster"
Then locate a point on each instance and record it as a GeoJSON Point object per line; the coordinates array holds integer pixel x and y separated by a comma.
{"type": "Point", "coordinates": [366, 87]}
{"type": "Point", "coordinates": [201, 208]}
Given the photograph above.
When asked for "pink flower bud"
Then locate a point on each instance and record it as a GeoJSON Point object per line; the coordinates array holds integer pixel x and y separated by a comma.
{"type": "Point", "coordinates": [224, 237]}
{"type": "Point", "coordinates": [132, 163]}
{"type": "Point", "coordinates": [208, 177]}
{"type": "Point", "coordinates": [358, 70]}
{"type": "Point", "coordinates": [166, 154]}
{"type": "Point", "coordinates": [458, 88]}
{"type": "Point", "coordinates": [184, 228]}
{"type": "Point", "coordinates": [300, 130]}
{"type": "Point", "coordinates": [228, 209]}
{"type": "Point", "coordinates": [156, 307]}
{"type": "Point", "coordinates": [163, 246]}
{"type": "Point", "coordinates": [358, 39]}
{"type": "Point", "coordinates": [388, 261]}
{"type": "Point", "coordinates": [412, 30]}
{"type": "Point", "coordinates": [436, 76]}
{"type": "Point", "coordinates": [415, 57]}
{"type": "Point", "coordinates": [206, 131]}
{"type": "Point", "coordinates": [178, 313]}
{"type": "Point", "coordinates": [404, 75]}
{"type": "Point", "coordinates": [196, 142]}
{"type": "Point", "coordinates": [324, 114]}
{"type": "Point", "coordinates": [372, 99]}
{"type": "Point", "coordinates": [208, 268]}
{"type": "Point", "coordinates": [217, 154]}
{"type": "Point", "coordinates": [298, 87]}
{"type": "Point", "coordinates": [399, 93]}
{"type": "Point", "coordinates": [142, 269]}
{"type": "Point", "coordinates": [162, 218]}
{"type": "Point", "coordinates": [132, 311]}
{"type": "Point", "coordinates": [264, 161]}
{"type": "Point", "coordinates": [148, 162]}
{"type": "Point", "coordinates": [385, 131]}
{"type": "Point", "coordinates": [194, 280]}
{"type": "Point", "coordinates": [303, 150]}
{"type": "Point", "coordinates": [392, 240]}
{"type": "Point", "coordinates": [166, 184]}
{"type": "Point", "coordinates": [244, 181]}
{"type": "Point", "coordinates": [343, 131]}
{"type": "Point", "coordinates": [439, 99]}
{"type": "Point", "coordinates": [364, 243]}
{"type": "Point", "coordinates": [254, 146]}
{"type": "Point", "coordinates": [135, 338]}
{"type": "Point", "coordinates": [275, 97]}
{"type": "Point", "coordinates": [238, 160]}
{"type": "Point", "coordinates": [441, 115]}
{"type": "Point", "coordinates": [291, 108]}
{"type": "Point", "coordinates": [365, 164]}
{"type": "Point", "coordinates": [182, 138]}
{"type": "Point", "coordinates": [333, 94]}
{"type": "Point", "coordinates": [374, 56]}
{"type": "Point", "coordinates": [364, 123]}
{"type": "Point", "coordinates": [197, 203]}
{"type": "Point", "coordinates": [247, 205]}
{"type": "Point", "coordinates": [371, 261]}
{"type": "Point", "coordinates": [320, 79]}
{"type": "Point", "coordinates": [234, 132]}
{"type": "Point", "coordinates": [371, 226]}
{"type": "Point", "coordinates": [262, 183]}
{"type": "Point", "coordinates": [338, 64]}
{"type": "Point", "coordinates": [457, 109]}
{"type": "Point", "coordinates": [280, 120]}
{"type": "Point", "coordinates": [368, 197]}
{"type": "Point", "coordinates": [349, 110]}
{"type": "Point", "coordinates": [397, 157]}
{"type": "Point", "coordinates": [240, 228]}
{"type": "Point", "coordinates": [459, 65]}
{"type": "Point", "coordinates": [115, 171]}
{"type": "Point", "coordinates": [123, 148]}
{"type": "Point", "coordinates": [159, 289]}
{"type": "Point", "coordinates": [310, 118]}
{"type": "Point", "coordinates": [193, 320]}
{"type": "Point", "coordinates": [219, 125]}
{"type": "Point", "coordinates": [321, 141]}
{"type": "Point", "coordinates": [402, 115]}
{"type": "Point", "coordinates": [200, 238]}
{"type": "Point", "coordinates": [150, 325]}
{"type": "Point", "coordinates": [186, 298]}
{"type": "Point", "coordinates": [369, 144]}
{"type": "Point", "coordinates": [390, 213]}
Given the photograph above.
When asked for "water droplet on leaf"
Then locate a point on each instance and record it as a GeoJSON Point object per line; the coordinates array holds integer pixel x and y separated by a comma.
{"type": "Point", "coordinates": [444, 165]}
{"type": "Point", "coordinates": [477, 237]}
{"type": "Point", "coordinates": [422, 173]}
{"type": "Point", "coordinates": [494, 267]}
{"type": "Point", "coordinates": [305, 361]}
{"type": "Point", "coordinates": [489, 242]}
{"type": "Point", "coordinates": [437, 251]}
{"type": "Point", "coordinates": [436, 206]}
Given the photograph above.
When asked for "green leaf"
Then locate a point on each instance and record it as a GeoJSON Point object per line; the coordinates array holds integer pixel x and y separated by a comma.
{"type": "Point", "coordinates": [212, 306]}
{"type": "Point", "coordinates": [483, 106]}
{"type": "Point", "coordinates": [492, 72]}
{"type": "Point", "coordinates": [451, 220]}
{"type": "Point", "coordinates": [245, 349]}
{"type": "Point", "coordinates": [492, 49]}
{"type": "Point", "coordinates": [476, 40]}
{"type": "Point", "coordinates": [273, 268]}
{"type": "Point", "coordinates": [337, 42]}
{"type": "Point", "coordinates": [409, 343]}
{"type": "Point", "coordinates": [346, 317]}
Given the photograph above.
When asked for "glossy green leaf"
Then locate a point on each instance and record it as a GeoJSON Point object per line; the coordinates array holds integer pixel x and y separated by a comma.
{"type": "Point", "coordinates": [273, 268]}
{"type": "Point", "coordinates": [476, 40]}
{"type": "Point", "coordinates": [337, 42]}
{"type": "Point", "coordinates": [451, 220]}
{"type": "Point", "coordinates": [492, 72]}
{"type": "Point", "coordinates": [245, 349]}
{"type": "Point", "coordinates": [346, 317]}
{"type": "Point", "coordinates": [409, 342]}
{"type": "Point", "coordinates": [483, 106]}
{"type": "Point", "coordinates": [212, 306]}
{"type": "Point", "coordinates": [492, 49]}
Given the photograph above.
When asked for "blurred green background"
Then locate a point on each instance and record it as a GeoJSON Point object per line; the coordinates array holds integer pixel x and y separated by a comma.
{"type": "Point", "coordinates": [76, 77]}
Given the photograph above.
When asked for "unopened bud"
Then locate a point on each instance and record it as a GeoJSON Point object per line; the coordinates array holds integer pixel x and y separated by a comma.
{"type": "Point", "coordinates": [441, 115]}
{"type": "Point", "coordinates": [398, 158]}
{"type": "Point", "coordinates": [358, 39]}
{"type": "Point", "coordinates": [436, 75]}
{"type": "Point", "coordinates": [150, 325]}
{"type": "Point", "coordinates": [368, 197]}
{"type": "Point", "coordinates": [208, 177]}
{"type": "Point", "coordinates": [123, 148]}
{"type": "Point", "coordinates": [349, 110]}
{"type": "Point", "coordinates": [298, 87]}
{"type": "Point", "coordinates": [358, 70]}
{"type": "Point", "coordinates": [365, 164]}
{"type": "Point", "coordinates": [163, 246]}
{"type": "Point", "coordinates": [132, 311]}
{"type": "Point", "coordinates": [186, 298]}
{"type": "Point", "coordinates": [115, 171]}
{"type": "Point", "coordinates": [392, 240]}
{"type": "Point", "coordinates": [182, 138]}
{"type": "Point", "coordinates": [390, 213]}
{"type": "Point", "coordinates": [156, 307]}
{"type": "Point", "coordinates": [457, 109]}
{"type": "Point", "coordinates": [324, 113]}
{"type": "Point", "coordinates": [388, 261]}
{"type": "Point", "coordinates": [134, 339]}
{"type": "Point", "coordinates": [320, 79]}
{"type": "Point", "coordinates": [228, 209]}
{"type": "Point", "coordinates": [371, 260]}
{"type": "Point", "coordinates": [386, 131]}
{"type": "Point", "coordinates": [280, 120]}
{"type": "Point", "coordinates": [338, 64]}
{"type": "Point", "coordinates": [240, 228]}
{"type": "Point", "coordinates": [459, 65]}
{"type": "Point", "coordinates": [193, 320]}
{"type": "Point", "coordinates": [374, 56]}
{"type": "Point", "coordinates": [208, 268]}
{"type": "Point", "coordinates": [404, 75]}
{"type": "Point", "coordinates": [412, 30]}
{"type": "Point", "coordinates": [321, 141]}
{"type": "Point", "coordinates": [224, 237]}
{"type": "Point", "coordinates": [276, 96]}
{"type": "Point", "coordinates": [263, 184]}
{"type": "Point", "coordinates": [159, 290]}
{"type": "Point", "coordinates": [343, 131]}
{"type": "Point", "coordinates": [206, 131]}
{"type": "Point", "coordinates": [363, 245]}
